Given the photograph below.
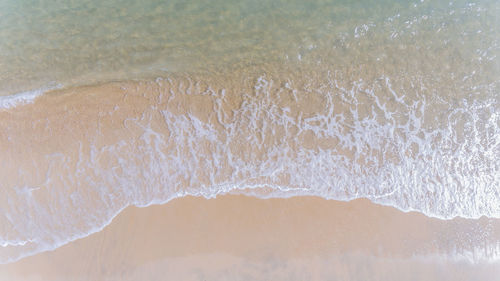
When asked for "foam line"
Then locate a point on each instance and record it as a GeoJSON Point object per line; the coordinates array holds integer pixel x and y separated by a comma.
{"type": "Point", "coordinates": [11, 101]}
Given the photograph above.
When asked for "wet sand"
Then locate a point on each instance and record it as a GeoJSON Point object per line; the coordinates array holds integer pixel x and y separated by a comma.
{"type": "Point", "coordinates": [235, 237]}
{"type": "Point", "coordinates": [77, 156]}
{"type": "Point", "coordinates": [393, 102]}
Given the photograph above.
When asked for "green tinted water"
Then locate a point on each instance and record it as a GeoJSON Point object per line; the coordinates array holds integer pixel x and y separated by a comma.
{"type": "Point", "coordinates": [44, 43]}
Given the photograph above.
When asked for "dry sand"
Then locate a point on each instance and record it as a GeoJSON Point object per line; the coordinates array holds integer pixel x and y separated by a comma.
{"type": "Point", "coordinates": [235, 237]}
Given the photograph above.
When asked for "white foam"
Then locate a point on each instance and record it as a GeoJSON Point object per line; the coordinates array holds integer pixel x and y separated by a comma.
{"type": "Point", "coordinates": [22, 98]}
{"type": "Point", "coordinates": [261, 144]}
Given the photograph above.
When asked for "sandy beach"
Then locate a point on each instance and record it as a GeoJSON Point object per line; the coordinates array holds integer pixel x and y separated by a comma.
{"type": "Point", "coordinates": [236, 237]}
{"type": "Point", "coordinates": [94, 150]}
{"type": "Point", "coordinates": [249, 140]}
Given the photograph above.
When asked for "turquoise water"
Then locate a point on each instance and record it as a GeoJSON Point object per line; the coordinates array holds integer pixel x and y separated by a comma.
{"type": "Point", "coordinates": [47, 43]}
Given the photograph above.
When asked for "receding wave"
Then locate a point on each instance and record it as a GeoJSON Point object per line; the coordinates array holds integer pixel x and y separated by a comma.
{"type": "Point", "coordinates": [14, 100]}
{"type": "Point", "coordinates": [74, 158]}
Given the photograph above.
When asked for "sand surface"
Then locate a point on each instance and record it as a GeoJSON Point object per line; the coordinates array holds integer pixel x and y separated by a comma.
{"type": "Point", "coordinates": [232, 237]}
{"type": "Point", "coordinates": [394, 102]}
{"type": "Point", "coordinates": [235, 237]}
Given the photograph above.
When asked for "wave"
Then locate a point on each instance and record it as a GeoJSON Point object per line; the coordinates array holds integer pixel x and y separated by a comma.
{"type": "Point", "coordinates": [76, 160]}
{"type": "Point", "coordinates": [485, 252]}
{"type": "Point", "coordinates": [13, 100]}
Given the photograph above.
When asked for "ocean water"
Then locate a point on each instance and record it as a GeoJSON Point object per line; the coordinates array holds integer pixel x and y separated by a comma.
{"type": "Point", "coordinates": [107, 104]}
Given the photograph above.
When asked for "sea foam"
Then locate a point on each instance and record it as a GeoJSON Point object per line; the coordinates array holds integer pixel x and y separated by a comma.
{"type": "Point", "coordinates": [14, 100]}
{"type": "Point", "coordinates": [148, 143]}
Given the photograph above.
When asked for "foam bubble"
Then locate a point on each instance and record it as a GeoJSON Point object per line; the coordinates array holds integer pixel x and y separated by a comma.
{"type": "Point", "coordinates": [22, 98]}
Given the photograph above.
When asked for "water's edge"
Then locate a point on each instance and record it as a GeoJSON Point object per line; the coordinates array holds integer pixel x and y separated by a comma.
{"type": "Point", "coordinates": [96, 150]}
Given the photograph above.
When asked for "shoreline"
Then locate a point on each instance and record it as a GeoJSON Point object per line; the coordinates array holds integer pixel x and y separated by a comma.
{"type": "Point", "coordinates": [194, 235]}
{"type": "Point", "coordinates": [78, 156]}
